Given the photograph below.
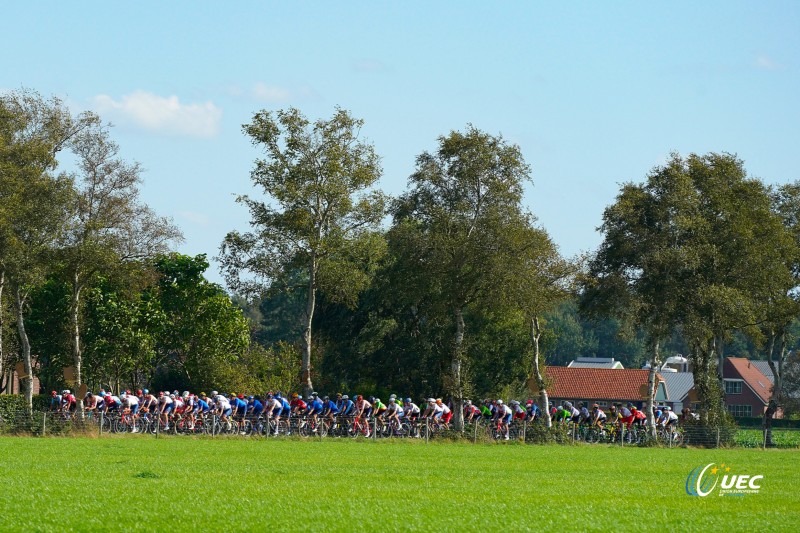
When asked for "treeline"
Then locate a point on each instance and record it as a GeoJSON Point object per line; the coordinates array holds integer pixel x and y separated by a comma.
{"type": "Point", "coordinates": [452, 288]}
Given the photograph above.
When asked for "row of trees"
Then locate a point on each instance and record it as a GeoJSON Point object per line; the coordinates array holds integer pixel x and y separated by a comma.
{"type": "Point", "coordinates": [451, 288]}
{"type": "Point", "coordinates": [85, 277]}
{"type": "Point", "coordinates": [698, 255]}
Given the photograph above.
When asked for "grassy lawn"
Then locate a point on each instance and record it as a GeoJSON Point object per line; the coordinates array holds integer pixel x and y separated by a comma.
{"type": "Point", "coordinates": [179, 483]}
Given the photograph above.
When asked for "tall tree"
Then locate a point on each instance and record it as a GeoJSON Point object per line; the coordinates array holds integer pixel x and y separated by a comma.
{"type": "Point", "coordinates": [693, 247]}
{"type": "Point", "coordinates": [452, 230]}
{"type": "Point", "coordinates": [34, 203]}
{"type": "Point", "coordinates": [317, 220]}
{"type": "Point", "coordinates": [109, 224]}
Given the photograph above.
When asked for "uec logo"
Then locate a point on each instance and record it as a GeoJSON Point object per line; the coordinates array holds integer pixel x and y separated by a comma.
{"type": "Point", "coordinates": [701, 481]}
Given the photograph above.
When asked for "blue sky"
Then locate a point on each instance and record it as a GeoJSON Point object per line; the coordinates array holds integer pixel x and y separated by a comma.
{"type": "Point", "coordinates": [594, 93]}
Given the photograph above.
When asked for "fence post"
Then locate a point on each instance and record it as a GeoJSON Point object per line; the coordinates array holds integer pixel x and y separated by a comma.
{"type": "Point", "coordinates": [158, 424]}
{"type": "Point", "coordinates": [375, 428]}
{"type": "Point", "coordinates": [102, 416]}
{"type": "Point", "coordinates": [475, 437]}
{"type": "Point", "coordinates": [44, 424]}
{"type": "Point", "coordinates": [524, 429]}
{"type": "Point", "coordinates": [427, 427]}
{"type": "Point", "coordinates": [717, 437]}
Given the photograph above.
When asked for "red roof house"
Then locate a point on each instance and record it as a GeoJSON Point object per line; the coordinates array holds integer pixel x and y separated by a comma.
{"type": "Point", "coordinates": [601, 385]}
{"type": "Point", "coordinates": [747, 389]}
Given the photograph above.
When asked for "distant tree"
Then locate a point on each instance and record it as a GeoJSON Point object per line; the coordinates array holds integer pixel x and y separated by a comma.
{"type": "Point", "coordinates": [109, 224]}
{"type": "Point", "coordinates": [694, 247]}
{"type": "Point", "coordinates": [317, 220]}
{"type": "Point", "coordinates": [34, 203]}
{"type": "Point", "coordinates": [455, 233]}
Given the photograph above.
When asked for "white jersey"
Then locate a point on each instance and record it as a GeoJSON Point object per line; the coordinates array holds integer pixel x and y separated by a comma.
{"type": "Point", "coordinates": [411, 409]}
{"type": "Point", "coordinates": [130, 401]}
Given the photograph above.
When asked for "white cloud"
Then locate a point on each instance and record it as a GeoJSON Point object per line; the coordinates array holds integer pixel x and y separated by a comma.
{"type": "Point", "coordinates": [766, 63]}
{"type": "Point", "coordinates": [201, 219]}
{"type": "Point", "coordinates": [369, 65]}
{"type": "Point", "coordinates": [273, 94]}
{"type": "Point", "coordinates": [161, 114]}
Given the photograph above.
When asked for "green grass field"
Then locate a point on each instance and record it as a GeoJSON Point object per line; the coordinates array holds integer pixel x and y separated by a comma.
{"type": "Point", "coordinates": [185, 484]}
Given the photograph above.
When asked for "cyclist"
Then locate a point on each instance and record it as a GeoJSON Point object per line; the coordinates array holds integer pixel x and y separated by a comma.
{"type": "Point", "coordinates": [586, 416]}
{"type": "Point", "coordinates": [598, 416]}
{"type": "Point", "coordinates": [671, 419]}
{"type": "Point", "coordinates": [442, 412]}
{"type": "Point", "coordinates": [626, 415]}
{"type": "Point", "coordinates": [487, 409]}
{"type": "Point", "coordinates": [149, 402]}
{"type": "Point", "coordinates": [393, 414]}
{"type": "Point", "coordinates": [410, 410]}
{"type": "Point", "coordinates": [613, 416]}
{"type": "Point", "coordinates": [471, 412]}
{"type": "Point", "coordinates": [363, 407]}
{"type": "Point", "coordinates": [254, 406]}
{"type": "Point", "coordinates": [55, 401]}
{"type": "Point", "coordinates": [329, 410]}
{"type": "Point", "coordinates": [533, 410]}
{"type": "Point", "coordinates": [298, 405]}
{"type": "Point", "coordinates": [347, 407]}
{"type": "Point", "coordinates": [238, 406]}
{"type": "Point", "coordinates": [222, 406]}
{"type": "Point", "coordinates": [638, 416]}
{"type": "Point", "coordinates": [574, 413]}
{"type": "Point", "coordinates": [315, 408]}
{"type": "Point", "coordinates": [504, 414]}
{"type": "Point", "coordinates": [517, 410]}
{"type": "Point", "coordinates": [68, 401]}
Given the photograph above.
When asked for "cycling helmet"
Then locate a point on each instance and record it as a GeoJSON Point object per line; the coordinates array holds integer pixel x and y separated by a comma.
{"type": "Point", "coordinates": [88, 394]}
{"type": "Point", "coordinates": [371, 399]}
{"type": "Point", "coordinates": [123, 394]}
{"type": "Point", "coordinates": [499, 402]}
{"type": "Point", "coordinates": [269, 396]}
{"type": "Point", "coordinates": [186, 394]}
{"type": "Point", "coordinates": [251, 397]}
{"type": "Point", "coordinates": [146, 391]}
{"type": "Point", "coordinates": [377, 400]}
{"type": "Point", "coordinates": [139, 392]}
{"type": "Point", "coordinates": [294, 396]}
{"type": "Point", "coordinates": [54, 393]}
{"type": "Point", "coordinates": [392, 396]}
{"type": "Point", "coordinates": [345, 397]}
{"type": "Point", "coordinates": [595, 406]}
{"type": "Point", "coordinates": [299, 396]}
{"type": "Point", "coordinates": [338, 394]}
{"type": "Point", "coordinates": [360, 398]}
{"type": "Point", "coordinates": [408, 400]}
{"type": "Point", "coordinates": [468, 402]}
{"type": "Point", "coordinates": [629, 405]}
{"type": "Point", "coordinates": [326, 398]}
{"type": "Point", "coordinates": [666, 408]}
{"type": "Point", "coordinates": [241, 396]}
{"type": "Point", "coordinates": [278, 395]}
{"type": "Point", "coordinates": [172, 396]}
{"type": "Point", "coordinates": [63, 392]}
{"type": "Point", "coordinates": [314, 395]}
{"type": "Point", "coordinates": [214, 393]}
{"type": "Point", "coordinates": [392, 400]}
{"type": "Point", "coordinates": [431, 400]}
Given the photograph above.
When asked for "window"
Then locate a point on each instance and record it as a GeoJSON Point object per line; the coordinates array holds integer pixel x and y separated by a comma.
{"type": "Point", "coordinates": [733, 386]}
{"type": "Point", "coordinates": [740, 410]}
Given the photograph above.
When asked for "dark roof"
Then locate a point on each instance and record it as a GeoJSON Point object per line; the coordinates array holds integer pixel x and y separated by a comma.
{"type": "Point", "coordinates": [678, 385]}
{"type": "Point", "coordinates": [597, 383]}
{"type": "Point", "coordinates": [763, 366]}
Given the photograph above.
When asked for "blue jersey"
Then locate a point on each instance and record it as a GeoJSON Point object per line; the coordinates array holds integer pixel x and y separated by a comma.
{"type": "Point", "coordinates": [331, 406]}
{"type": "Point", "coordinates": [202, 405]}
{"type": "Point", "coordinates": [347, 407]}
{"type": "Point", "coordinates": [239, 405]}
{"type": "Point", "coordinates": [255, 407]}
{"type": "Point", "coordinates": [285, 406]}
{"type": "Point", "coordinates": [315, 407]}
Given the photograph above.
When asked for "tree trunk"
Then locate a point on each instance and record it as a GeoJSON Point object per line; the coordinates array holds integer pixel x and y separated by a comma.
{"type": "Point", "coordinates": [25, 346]}
{"type": "Point", "coordinates": [2, 328]}
{"type": "Point", "coordinates": [777, 372]}
{"type": "Point", "coordinates": [77, 353]}
{"type": "Point", "coordinates": [536, 335]}
{"type": "Point", "coordinates": [456, 371]}
{"type": "Point", "coordinates": [306, 384]}
{"type": "Point", "coordinates": [651, 389]}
